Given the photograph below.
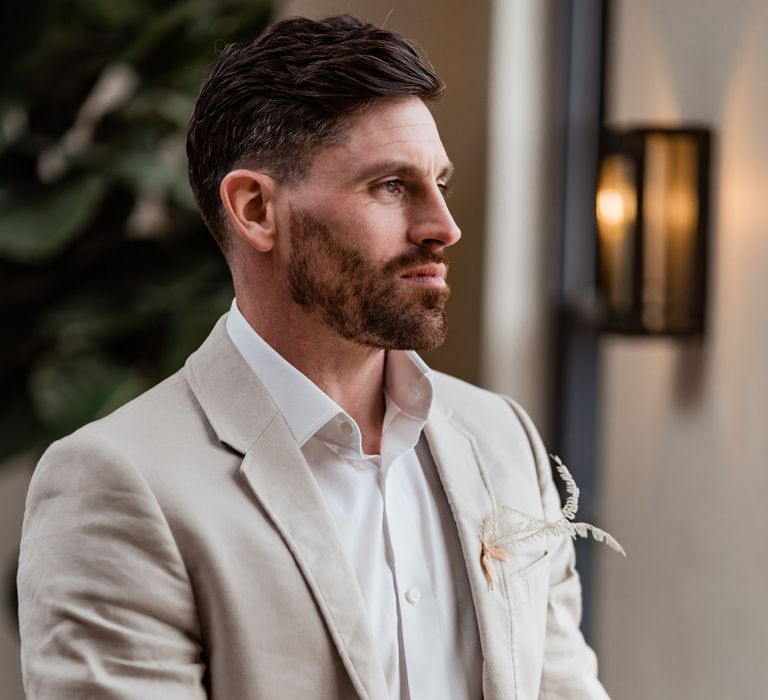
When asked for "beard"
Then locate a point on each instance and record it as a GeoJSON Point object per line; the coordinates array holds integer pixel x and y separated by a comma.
{"type": "Point", "coordinates": [364, 303]}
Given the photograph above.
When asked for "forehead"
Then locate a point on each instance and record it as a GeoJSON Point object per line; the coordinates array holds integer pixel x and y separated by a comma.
{"type": "Point", "coordinates": [402, 129]}
{"type": "Point", "coordinates": [389, 123]}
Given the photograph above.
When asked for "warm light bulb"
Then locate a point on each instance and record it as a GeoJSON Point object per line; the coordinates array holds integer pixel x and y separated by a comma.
{"type": "Point", "coordinates": [610, 207]}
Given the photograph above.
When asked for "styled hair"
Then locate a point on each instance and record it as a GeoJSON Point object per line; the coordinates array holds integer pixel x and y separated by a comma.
{"type": "Point", "coordinates": [270, 104]}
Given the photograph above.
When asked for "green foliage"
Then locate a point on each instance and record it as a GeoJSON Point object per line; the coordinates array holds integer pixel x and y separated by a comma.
{"type": "Point", "coordinates": [39, 228]}
{"type": "Point", "coordinates": [108, 278]}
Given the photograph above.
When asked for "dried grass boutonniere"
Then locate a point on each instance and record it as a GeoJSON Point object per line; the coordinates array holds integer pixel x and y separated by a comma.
{"type": "Point", "coordinates": [523, 528]}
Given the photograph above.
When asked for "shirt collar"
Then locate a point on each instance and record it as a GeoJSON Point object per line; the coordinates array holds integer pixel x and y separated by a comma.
{"type": "Point", "coordinates": [305, 407]}
{"type": "Point", "coordinates": [408, 384]}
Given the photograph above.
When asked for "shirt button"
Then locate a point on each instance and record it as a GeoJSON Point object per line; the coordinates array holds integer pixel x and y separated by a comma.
{"type": "Point", "coordinates": [413, 596]}
{"type": "Point", "coordinates": [346, 428]}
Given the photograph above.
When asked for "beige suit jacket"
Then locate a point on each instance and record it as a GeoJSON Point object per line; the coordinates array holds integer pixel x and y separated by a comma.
{"type": "Point", "coordinates": [181, 549]}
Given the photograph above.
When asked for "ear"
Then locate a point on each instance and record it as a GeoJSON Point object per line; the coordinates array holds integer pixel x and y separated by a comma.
{"type": "Point", "coordinates": [248, 198]}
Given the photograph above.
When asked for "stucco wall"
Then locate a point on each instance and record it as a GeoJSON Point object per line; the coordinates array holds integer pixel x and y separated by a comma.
{"type": "Point", "coordinates": [684, 446]}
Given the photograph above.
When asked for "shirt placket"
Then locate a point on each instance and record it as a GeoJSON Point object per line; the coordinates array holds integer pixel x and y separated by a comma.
{"type": "Point", "coordinates": [416, 599]}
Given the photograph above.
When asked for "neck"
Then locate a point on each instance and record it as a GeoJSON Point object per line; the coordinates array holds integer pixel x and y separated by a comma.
{"type": "Point", "coordinates": [349, 373]}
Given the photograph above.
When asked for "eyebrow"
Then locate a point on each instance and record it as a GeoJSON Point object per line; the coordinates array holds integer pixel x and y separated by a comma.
{"type": "Point", "coordinates": [397, 166]}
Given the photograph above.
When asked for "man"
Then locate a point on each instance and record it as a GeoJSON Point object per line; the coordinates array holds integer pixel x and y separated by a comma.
{"type": "Point", "coordinates": [305, 510]}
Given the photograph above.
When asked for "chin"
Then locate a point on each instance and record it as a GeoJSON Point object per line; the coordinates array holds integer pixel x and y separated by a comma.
{"type": "Point", "coordinates": [424, 333]}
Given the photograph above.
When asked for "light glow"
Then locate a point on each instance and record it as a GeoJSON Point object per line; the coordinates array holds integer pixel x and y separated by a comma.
{"type": "Point", "coordinates": [610, 207]}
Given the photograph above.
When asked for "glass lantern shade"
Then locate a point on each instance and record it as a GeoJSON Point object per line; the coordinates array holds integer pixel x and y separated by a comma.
{"type": "Point", "coordinates": [651, 213]}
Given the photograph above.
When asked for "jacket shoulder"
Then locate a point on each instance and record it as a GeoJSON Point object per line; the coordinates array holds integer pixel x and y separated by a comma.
{"type": "Point", "coordinates": [467, 403]}
{"type": "Point", "coordinates": [149, 433]}
{"type": "Point", "coordinates": [496, 423]}
{"type": "Point", "coordinates": [170, 405]}
{"type": "Point", "coordinates": [451, 389]}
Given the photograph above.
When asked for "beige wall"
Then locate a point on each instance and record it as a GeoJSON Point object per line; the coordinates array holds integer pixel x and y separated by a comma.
{"type": "Point", "coordinates": [684, 447]}
{"type": "Point", "coordinates": [521, 221]}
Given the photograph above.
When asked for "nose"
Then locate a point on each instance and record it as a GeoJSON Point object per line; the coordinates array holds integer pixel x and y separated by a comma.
{"type": "Point", "coordinates": [433, 225]}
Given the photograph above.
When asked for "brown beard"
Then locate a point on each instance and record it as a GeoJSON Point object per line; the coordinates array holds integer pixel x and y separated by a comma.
{"type": "Point", "coordinates": [361, 302]}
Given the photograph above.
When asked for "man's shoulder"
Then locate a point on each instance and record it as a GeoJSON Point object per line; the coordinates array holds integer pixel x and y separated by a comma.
{"type": "Point", "coordinates": [168, 412]}
{"type": "Point", "coordinates": [460, 396]}
{"type": "Point", "coordinates": [147, 429]}
{"type": "Point", "coordinates": [478, 408]}
{"type": "Point", "coordinates": [500, 430]}
{"type": "Point", "coordinates": [169, 403]}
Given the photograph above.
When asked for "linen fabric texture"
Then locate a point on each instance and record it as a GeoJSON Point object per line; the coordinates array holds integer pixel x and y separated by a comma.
{"type": "Point", "coordinates": [180, 548]}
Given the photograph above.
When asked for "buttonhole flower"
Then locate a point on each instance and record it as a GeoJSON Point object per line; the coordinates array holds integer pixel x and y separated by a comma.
{"type": "Point", "coordinates": [509, 526]}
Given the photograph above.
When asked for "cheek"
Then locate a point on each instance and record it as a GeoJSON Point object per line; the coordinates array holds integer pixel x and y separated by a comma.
{"type": "Point", "coordinates": [380, 234]}
{"type": "Point", "coordinates": [376, 231]}
{"type": "Point", "coordinates": [369, 238]}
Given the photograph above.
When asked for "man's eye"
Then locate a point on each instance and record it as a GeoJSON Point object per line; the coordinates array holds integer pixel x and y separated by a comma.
{"type": "Point", "coordinates": [392, 187]}
{"type": "Point", "coordinates": [444, 189]}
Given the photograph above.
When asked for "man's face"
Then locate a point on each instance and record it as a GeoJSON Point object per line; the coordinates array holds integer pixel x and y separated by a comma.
{"type": "Point", "coordinates": [369, 228]}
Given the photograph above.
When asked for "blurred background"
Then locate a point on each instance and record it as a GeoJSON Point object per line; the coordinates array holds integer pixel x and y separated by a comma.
{"type": "Point", "coordinates": [108, 279]}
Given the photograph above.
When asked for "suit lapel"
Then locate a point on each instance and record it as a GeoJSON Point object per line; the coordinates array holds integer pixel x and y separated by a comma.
{"type": "Point", "coordinates": [471, 500]}
{"type": "Point", "coordinates": [244, 417]}
{"type": "Point", "coordinates": [281, 480]}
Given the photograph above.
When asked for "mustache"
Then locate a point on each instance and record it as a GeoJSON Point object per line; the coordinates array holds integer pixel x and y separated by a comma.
{"type": "Point", "coordinates": [420, 256]}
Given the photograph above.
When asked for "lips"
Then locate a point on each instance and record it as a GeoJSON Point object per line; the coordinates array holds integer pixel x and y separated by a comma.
{"type": "Point", "coordinates": [432, 274]}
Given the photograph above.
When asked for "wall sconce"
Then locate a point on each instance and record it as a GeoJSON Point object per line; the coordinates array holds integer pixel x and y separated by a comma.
{"type": "Point", "coordinates": [652, 203]}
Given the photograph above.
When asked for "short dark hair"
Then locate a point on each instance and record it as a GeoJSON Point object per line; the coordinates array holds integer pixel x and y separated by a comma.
{"type": "Point", "coordinates": [270, 104]}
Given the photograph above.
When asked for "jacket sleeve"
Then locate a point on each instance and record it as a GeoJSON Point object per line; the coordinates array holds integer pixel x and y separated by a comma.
{"type": "Point", "coordinates": [569, 670]}
{"type": "Point", "coordinates": [106, 607]}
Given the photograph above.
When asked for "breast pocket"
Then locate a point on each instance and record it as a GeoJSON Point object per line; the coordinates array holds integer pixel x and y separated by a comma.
{"type": "Point", "coordinates": [530, 582]}
{"type": "Point", "coordinates": [528, 597]}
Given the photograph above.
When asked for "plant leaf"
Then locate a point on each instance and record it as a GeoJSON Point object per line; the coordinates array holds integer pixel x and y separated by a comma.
{"type": "Point", "coordinates": [37, 230]}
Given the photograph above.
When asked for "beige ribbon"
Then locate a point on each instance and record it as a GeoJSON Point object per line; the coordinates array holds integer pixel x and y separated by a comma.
{"type": "Point", "coordinates": [488, 569]}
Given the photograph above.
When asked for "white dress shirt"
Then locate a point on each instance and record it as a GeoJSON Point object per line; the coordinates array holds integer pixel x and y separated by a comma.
{"type": "Point", "coordinates": [392, 518]}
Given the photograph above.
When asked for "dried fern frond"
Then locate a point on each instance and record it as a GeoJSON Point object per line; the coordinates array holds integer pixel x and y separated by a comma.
{"type": "Point", "coordinates": [556, 529]}
{"type": "Point", "coordinates": [524, 527]}
{"type": "Point", "coordinates": [572, 502]}
{"type": "Point", "coordinates": [584, 529]}
{"type": "Point", "coordinates": [523, 523]}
